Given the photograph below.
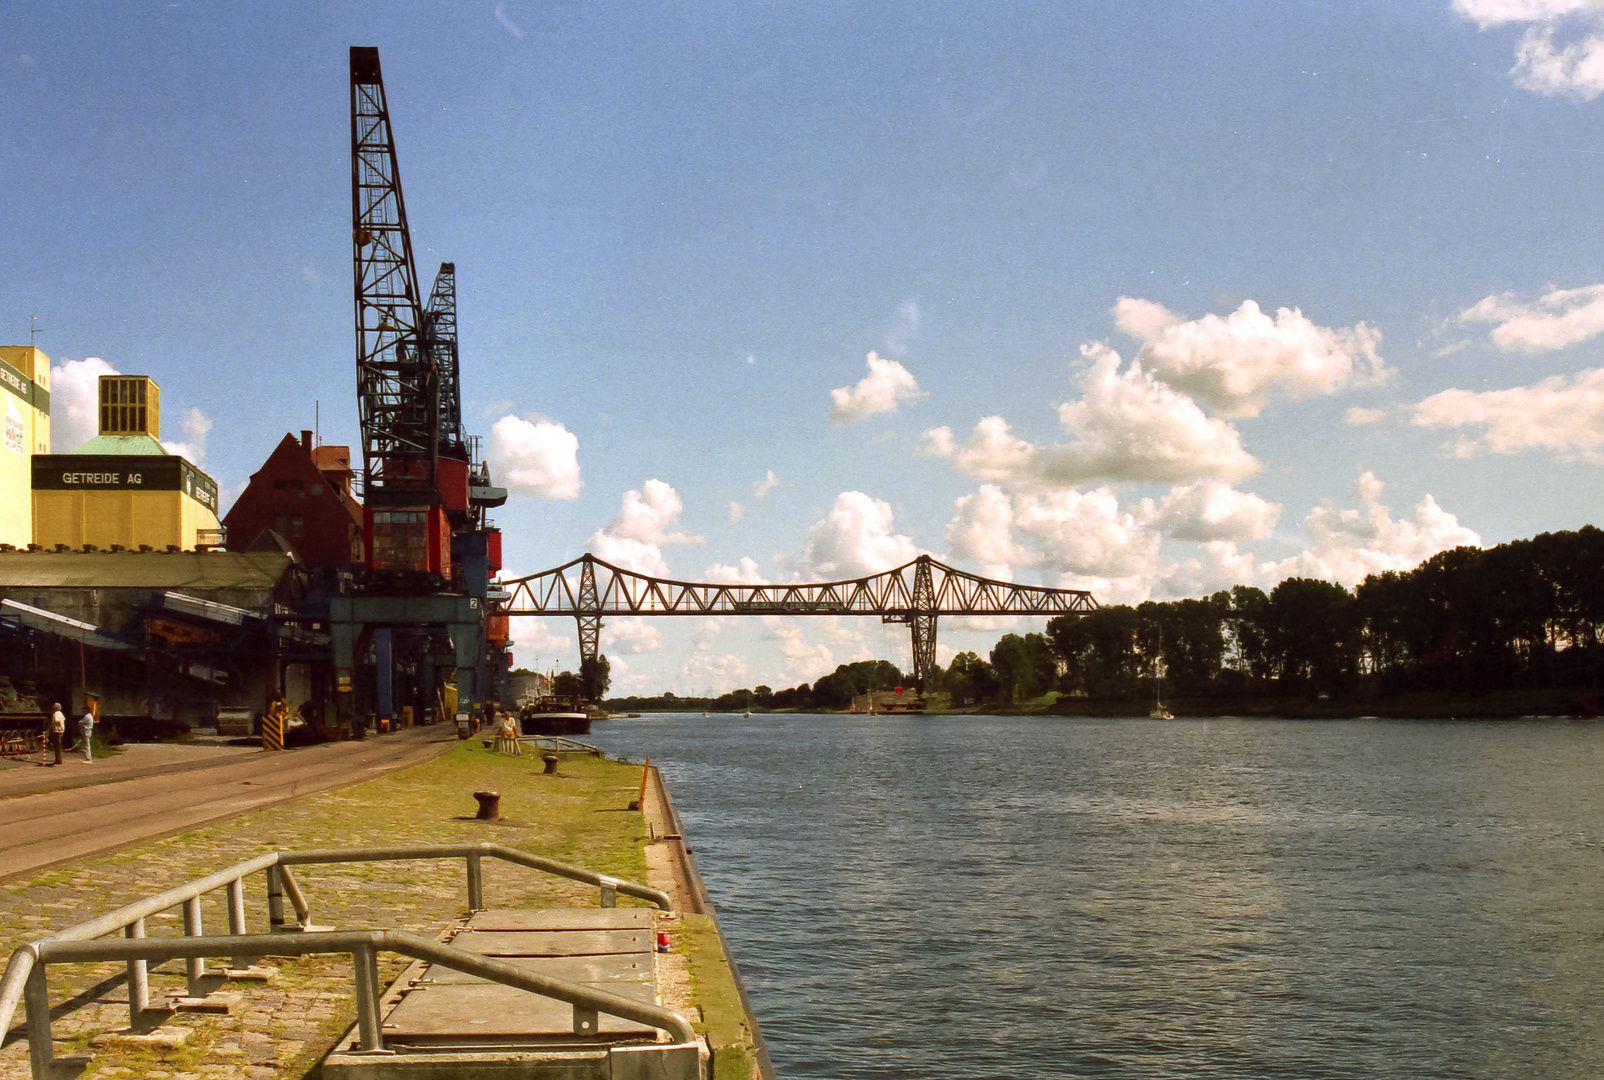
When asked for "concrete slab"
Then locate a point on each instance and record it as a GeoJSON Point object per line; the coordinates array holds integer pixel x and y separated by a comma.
{"type": "Point", "coordinates": [554, 943]}
{"type": "Point", "coordinates": [598, 918]}
{"type": "Point", "coordinates": [488, 1012]}
{"type": "Point", "coordinates": [163, 1036]}
{"type": "Point", "coordinates": [601, 970]}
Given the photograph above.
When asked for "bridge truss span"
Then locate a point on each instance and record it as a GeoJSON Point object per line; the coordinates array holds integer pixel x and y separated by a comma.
{"type": "Point", "coordinates": [915, 593]}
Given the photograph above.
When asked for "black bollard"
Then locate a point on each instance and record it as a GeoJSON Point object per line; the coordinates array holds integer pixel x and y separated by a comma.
{"type": "Point", "coordinates": [489, 805]}
{"type": "Point", "coordinates": [551, 763]}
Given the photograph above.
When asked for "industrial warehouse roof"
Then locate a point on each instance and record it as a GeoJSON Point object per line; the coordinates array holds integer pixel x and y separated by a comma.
{"type": "Point", "coordinates": [181, 570]}
{"type": "Point", "coordinates": [121, 445]}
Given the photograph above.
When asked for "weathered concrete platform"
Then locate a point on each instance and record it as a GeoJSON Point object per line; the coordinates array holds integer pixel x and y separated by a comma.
{"type": "Point", "coordinates": [439, 1022]}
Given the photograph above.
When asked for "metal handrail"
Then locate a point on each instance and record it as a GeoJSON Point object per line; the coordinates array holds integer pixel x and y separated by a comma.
{"type": "Point", "coordinates": [561, 744]}
{"type": "Point", "coordinates": [24, 977]}
{"type": "Point", "coordinates": [364, 946]}
{"type": "Point", "coordinates": [473, 853]}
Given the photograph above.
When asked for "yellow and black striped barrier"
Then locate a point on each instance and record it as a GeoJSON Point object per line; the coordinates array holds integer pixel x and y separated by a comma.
{"type": "Point", "coordinates": [272, 730]}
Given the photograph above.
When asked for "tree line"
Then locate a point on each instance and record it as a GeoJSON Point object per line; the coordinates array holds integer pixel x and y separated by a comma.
{"type": "Point", "coordinates": [1524, 615]}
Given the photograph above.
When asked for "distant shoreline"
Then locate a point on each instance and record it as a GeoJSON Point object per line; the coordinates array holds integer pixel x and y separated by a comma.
{"type": "Point", "coordinates": [1509, 705]}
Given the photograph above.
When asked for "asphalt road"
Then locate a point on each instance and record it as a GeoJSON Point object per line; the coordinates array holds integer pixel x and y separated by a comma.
{"type": "Point", "coordinates": [54, 814]}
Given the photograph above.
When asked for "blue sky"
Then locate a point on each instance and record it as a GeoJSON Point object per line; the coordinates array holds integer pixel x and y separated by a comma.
{"type": "Point", "coordinates": [1161, 297]}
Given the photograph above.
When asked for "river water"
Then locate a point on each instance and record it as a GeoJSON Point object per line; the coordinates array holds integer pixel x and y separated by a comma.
{"type": "Point", "coordinates": [974, 897]}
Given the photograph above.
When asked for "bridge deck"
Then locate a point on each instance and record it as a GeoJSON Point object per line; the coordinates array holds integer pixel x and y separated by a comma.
{"type": "Point", "coordinates": [436, 1018]}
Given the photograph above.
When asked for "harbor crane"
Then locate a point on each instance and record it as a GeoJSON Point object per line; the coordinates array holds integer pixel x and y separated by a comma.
{"type": "Point", "coordinates": [429, 552]}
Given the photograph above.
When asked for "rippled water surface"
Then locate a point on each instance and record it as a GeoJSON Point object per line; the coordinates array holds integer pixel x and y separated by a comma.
{"type": "Point", "coordinates": [1047, 897]}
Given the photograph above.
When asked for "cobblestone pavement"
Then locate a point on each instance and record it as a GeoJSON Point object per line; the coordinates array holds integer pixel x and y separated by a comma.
{"type": "Point", "coordinates": [282, 1028]}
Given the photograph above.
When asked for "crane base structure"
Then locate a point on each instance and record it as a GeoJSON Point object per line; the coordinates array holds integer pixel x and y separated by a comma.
{"type": "Point", "coordinates": [360, 623]}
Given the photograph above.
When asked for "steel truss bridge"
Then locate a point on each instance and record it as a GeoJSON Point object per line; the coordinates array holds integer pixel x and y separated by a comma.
{"type": "Point", "coordinates": [915, 593]}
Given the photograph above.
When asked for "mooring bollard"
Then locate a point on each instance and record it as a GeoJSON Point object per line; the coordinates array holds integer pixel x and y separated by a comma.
{"type": "Point", "coordinates": [489, 805]}
{"type": "Point", "coordinates": [551, 763]}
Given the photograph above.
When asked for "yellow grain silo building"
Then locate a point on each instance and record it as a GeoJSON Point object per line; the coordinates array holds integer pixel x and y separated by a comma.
{"type": "Point", "coordinates": [122, 489]}
{"type": "Point", "coordinates": [25, 412]}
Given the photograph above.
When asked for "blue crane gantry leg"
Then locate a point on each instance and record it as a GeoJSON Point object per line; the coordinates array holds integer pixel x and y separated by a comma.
{"type": "Point", "coordinates": [462, 617]}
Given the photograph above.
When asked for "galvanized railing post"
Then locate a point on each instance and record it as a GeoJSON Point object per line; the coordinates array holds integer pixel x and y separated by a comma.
{"type": "Point", "coordinates": [365, 965]}
{"type": "Point", "coordinates": [36, 1000]}
{"type": "Point", "coordinates": [236, 918]}
{"type": "Point", "coordinates": [138, 977]}
{"type": "Point", "coordinates": [275, 898]}
{"type": "Point", "coordinates": [303, 914]}
{"type": "Point", "coordinates": [194, 966]}
{"type": "Point", "coordinates": [609, 892]}
{"type": "Point", "coordinates": [476, 883]}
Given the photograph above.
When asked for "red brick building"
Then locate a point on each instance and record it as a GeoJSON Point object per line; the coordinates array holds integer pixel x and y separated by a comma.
{"type": "Point", "coordinates": [302, 493]}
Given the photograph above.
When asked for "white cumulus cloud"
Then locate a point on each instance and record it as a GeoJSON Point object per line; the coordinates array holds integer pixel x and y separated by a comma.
{"type": "Point", "coordinates": [534, 456]}
{"type": "Point", "coordinates": [1236, 364]}
{"type": "Point", "coordinates": [540, 645]}
{"type": "Point", "coordinates": [648, 519]}
{"type": "Point", "coordinates": [710, 673]}
{"type": "Point", "coordinates": [1075, 535]}
{"type": "Point", "coordinates": [1086, 534]}
{"type": "Point", "coordinates": [1217, 565]}
{"type": "Point", "coordinates": [981, 530]}
{"type": "Point", "coordinates": [855, 539]}
{"type": "Point", "coordinates": [1126, 426]}
{"type": "Point", "coordinates": [630, 634]}
{"type": "Point", "coordinates": [1554, 320]}
{"type": "Point", "coordinates": [1346, 544]}
{"type": "Point", "coordinates": [887, 385]}
{"type": "Point", "coordinates": [195, 424]}
{"type": "Point", "coordinates": [75, 402]}
{"type": "Point", "coordinates": [746, 572]}
{"type": "Point", "coordinates": [1561, 50]}
{"type": "Point", "coordinates": [1563, 417]}
{"type": "Point", "coordinates": [1208, 511]}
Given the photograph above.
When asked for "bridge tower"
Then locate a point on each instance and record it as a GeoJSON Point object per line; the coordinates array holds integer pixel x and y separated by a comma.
{"type": "Point", "coordinates": [921, 620]}
{"type": "Point", "coordinates": [588, 615]}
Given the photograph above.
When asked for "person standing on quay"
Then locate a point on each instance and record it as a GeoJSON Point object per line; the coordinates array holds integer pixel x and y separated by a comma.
{"type": "Point", "coordinates": [58, 728]}
{"type": "Point", "coordinates": [88, 726]}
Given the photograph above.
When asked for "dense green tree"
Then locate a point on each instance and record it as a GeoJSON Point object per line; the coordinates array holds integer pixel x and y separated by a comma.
{"type": "Point", "coordinates": [595, 676]}
{"type": "Point", "coordinates": [1026, 667]}
{"type": "Point", "coordinates": [797, 697]}
{"type": "Point", "coordinates": [837, 689]}
{"type": "Point", "coordinates": [968, 679]}
{"type": "Point", "coordinates": [1099, 652]}
{"type": "Point", "coordinates": [1314, 635]}
{"type": "Point", "coordinates": [1247, 639]}
{"type": "Point", "coordinates": [567, 685]}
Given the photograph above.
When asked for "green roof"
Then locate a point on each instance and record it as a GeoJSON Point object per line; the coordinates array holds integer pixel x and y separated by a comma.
{"type": "Point", "coordinates": [140, 445]}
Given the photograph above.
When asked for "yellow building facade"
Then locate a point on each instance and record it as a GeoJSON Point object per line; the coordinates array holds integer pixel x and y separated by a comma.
{"type": "Point", "coordinates": [25, 414]}
{"type": "Point", "coordinates": [122, 489]}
